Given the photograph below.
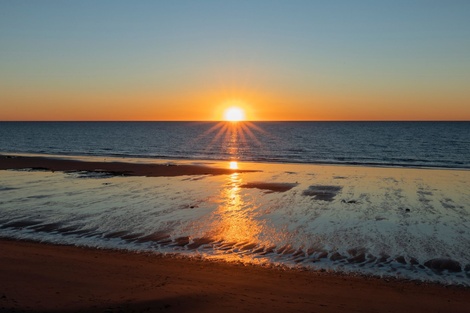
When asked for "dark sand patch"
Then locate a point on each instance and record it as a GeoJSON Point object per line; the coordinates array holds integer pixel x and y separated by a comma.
{"type": "Point", "coordinates": [322, 192]}
{"type": "Point", "coordinates": [272, 187]}
{"type": "Point", "coordinates": [440, 265]}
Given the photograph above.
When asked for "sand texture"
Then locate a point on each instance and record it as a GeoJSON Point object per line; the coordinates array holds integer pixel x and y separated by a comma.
{"type": "Point", "coordinates": [44, 278]}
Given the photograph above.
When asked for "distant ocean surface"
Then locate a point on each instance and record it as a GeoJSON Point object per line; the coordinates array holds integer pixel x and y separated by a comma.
{"type": "Point", "coordinates": [402, 144]}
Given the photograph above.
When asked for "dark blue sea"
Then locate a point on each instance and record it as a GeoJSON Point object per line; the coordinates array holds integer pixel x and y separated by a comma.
{"type": "Point", "coordinates": [402, 144]}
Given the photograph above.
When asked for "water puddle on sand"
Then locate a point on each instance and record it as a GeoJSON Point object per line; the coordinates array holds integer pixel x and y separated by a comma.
{"type": "Point", "coordinates": [406, 223]}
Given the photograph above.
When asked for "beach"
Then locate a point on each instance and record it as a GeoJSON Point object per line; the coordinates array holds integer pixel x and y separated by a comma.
{"type": "Point", "coordinates": [234, 156]}
{"type": "Point", "coordinates": [46, 278]}
{"type": "Point", "coordinates": [120, 235]}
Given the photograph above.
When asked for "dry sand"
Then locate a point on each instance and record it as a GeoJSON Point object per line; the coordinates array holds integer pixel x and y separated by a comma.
{"type": "Point", "coordinates": [45, 278]}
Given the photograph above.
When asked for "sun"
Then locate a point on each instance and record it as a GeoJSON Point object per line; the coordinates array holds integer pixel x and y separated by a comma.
{"type": "Point", "coordinates": [234, 114]}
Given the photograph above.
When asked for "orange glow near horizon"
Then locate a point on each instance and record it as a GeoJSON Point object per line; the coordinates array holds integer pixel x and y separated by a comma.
{"type": "Point", "coordinates": [203, 105]}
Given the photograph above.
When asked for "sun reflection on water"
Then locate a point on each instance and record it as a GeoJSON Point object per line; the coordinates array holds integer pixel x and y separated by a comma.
{"type": "Point", "coordinates": [231, 139]}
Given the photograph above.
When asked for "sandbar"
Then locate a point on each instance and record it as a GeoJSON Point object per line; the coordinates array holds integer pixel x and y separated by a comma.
{"type": "Point", "coordinates": [8, 162]}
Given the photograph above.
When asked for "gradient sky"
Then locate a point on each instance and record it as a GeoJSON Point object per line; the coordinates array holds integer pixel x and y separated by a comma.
{"type": "Point", "coordinates": [279, 60]}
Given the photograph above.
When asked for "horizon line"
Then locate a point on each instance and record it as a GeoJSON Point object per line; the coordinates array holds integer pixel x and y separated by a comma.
{"type": "Point", "coordinates": [218, 121]}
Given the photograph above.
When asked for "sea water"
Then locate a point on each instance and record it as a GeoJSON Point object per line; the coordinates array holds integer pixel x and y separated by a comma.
{"type": "Point", "coordinates": [404, 144]}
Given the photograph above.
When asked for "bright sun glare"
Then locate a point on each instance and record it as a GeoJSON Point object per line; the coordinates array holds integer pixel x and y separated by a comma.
{"type": "Point", "coordinates": [234, 114]}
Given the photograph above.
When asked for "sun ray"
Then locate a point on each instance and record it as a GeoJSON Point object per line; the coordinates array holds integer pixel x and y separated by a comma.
{"type": "Point", "coordinates": [222, 130]}
{"type": "Point", "coordinates": [256, 127]}
{"type": "Point", "coordinates": [250, 134]}
{"type": "Point", "coordinates": [233, 140]}
{"type": "Point", "coordinates": [212, 129]}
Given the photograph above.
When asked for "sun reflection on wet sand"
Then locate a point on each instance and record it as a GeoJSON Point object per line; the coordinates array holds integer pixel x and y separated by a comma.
{"type": "Point", "coordinates": [234, 225]}
{"type": "Point", "coordinates": [236, 214]}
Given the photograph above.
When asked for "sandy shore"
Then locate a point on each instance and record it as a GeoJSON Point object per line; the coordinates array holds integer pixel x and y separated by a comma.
{"type": "Point", "coordinates": [38, 277]}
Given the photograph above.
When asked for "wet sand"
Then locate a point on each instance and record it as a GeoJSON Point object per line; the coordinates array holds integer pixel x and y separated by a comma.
{"type": "Point", "coordinates": [116, 168]}
{"type": "Point", "coordinates": [39, 277]}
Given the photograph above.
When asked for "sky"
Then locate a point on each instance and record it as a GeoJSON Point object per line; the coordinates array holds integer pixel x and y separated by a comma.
{"type": "Point", "coordinates": [278, 60]}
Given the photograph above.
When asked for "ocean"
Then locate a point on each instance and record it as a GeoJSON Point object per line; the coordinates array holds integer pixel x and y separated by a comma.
{"type": "Point", "coordinates": [404, 212]}
{"type": "Point", "coordinates": [403, 144]}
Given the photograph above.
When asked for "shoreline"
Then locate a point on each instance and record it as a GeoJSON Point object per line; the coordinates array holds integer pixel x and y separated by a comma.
{"type": "Point", "coordinates": [239, 263]}
{"type": "Point", "coordinates": [167, 161]}
{"type": "Point", "coordinates": [56, 278]}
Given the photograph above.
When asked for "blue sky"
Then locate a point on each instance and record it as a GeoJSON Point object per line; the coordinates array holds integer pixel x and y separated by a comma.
{"type": "Point", "coordinates": [295, 54]}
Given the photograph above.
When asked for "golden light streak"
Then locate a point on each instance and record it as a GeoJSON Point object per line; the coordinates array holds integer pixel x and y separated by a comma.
{"type": "Point", "coordinates": [236, 223]}
{"type": "Point", "coordinates": [231, 140]}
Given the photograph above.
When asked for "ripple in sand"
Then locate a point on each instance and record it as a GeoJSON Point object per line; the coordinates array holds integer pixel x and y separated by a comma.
{"type": "Point", "coordinates": [198, 242]}
{"type": "Point", "coordinates": [161, 237]}
{"type": "Point", "coordinates": [48, 228]}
